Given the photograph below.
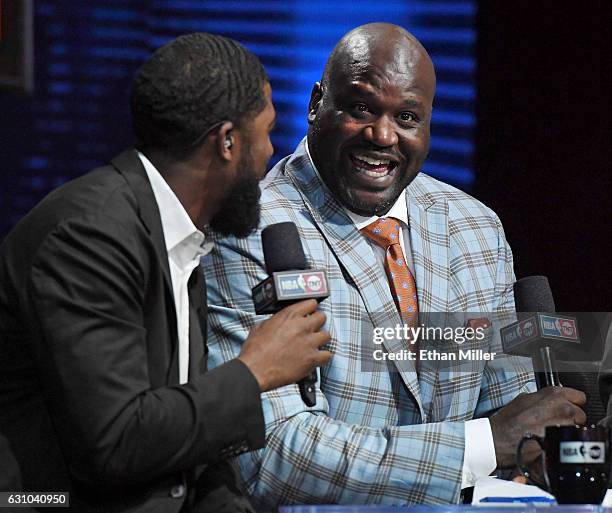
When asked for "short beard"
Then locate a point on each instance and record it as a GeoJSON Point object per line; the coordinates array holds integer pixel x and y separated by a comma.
{"type": "Point", "coordinates": [240, 214]}
{"type": "Point", "coordinates": [363, 209]}
{"type": "Point", "coordinates": [344, 196]}
{"type": "Point", "coordinates": [341, 193]}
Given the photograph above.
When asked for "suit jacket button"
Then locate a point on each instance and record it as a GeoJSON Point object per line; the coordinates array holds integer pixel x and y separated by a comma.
{"type": "Point", "coordinates": [176, 492]}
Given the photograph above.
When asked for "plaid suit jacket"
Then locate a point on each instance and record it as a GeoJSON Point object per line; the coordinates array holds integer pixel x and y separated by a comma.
{"type": "Point", "coordinates": [373, 437]}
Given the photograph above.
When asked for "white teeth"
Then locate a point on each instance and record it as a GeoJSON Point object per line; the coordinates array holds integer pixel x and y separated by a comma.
{"type": "Point", "coordinates": [374, 174]}
{"type": "Point", "coordinates": [373, 162]}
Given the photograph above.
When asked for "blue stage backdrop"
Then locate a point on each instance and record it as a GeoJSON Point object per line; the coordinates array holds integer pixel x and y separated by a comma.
{"type": "Point", "coordinates": [87, 52]}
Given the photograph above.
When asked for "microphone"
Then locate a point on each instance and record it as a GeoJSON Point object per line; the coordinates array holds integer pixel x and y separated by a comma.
{"type": "Point", "coordinates": [289, 281]}
{"type": "Point", "coordinates": [539, 332]}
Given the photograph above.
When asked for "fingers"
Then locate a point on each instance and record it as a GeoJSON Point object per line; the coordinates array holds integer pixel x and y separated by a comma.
{"type": "Point", "coordinates": [305, 311]}
{"type": "Point", "coordinates": [316, 321]}
{"type": "Point", "coordinates": [569, 413]}
{"type": "Point", "coordinates": [323, 357]}
{"type": "Point", "coordinates": [573, 395]}
{"type": "Point", "coordinates": [564, 393]}
{"type": "Point", "coordinates": [568, 418]}
{"type": "Point", "coordinates": [302, 308]}
{"type": "Point", "coordinates": [563, 405]}
{"type": "Point", "coordinates": [580, 417]}
{"type": "Point", "coordinates": [320, 338]}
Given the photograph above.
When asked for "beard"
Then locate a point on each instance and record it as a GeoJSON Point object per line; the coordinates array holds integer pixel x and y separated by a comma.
{"type": "Point", "coordinates": [361, 207]}
{"type": "Point", "coordinates": [240, 216]}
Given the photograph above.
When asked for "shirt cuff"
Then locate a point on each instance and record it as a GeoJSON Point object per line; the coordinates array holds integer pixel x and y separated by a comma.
{"type": "Point", "coordinates": [479, 458]}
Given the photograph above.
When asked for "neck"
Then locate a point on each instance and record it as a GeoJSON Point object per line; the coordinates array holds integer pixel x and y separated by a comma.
{"type": "Point", "coordinates": [191, 182]}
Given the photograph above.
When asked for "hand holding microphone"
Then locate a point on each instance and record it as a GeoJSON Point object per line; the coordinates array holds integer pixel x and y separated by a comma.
{"type": "Point", "coordinates": [531, 413]}
{"type": "Point", "coordinates": [533, 335]}
{"type": "Point", "coordinates": [295, 328]}
{"type": "Point", "coordinates": [285, 348]}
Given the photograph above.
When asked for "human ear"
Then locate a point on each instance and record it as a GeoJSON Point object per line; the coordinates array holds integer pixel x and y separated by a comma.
{"type": "Point", "coordinates": [315, 100]}
{"type": "Point", "coordinates": [225, 141]}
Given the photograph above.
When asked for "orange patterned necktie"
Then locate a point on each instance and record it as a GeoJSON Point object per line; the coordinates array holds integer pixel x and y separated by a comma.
{"type": "Point", "coordinates": [385, 232]}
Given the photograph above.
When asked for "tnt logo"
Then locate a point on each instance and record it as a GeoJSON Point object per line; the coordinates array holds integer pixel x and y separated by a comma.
{"type": "Point", "coordinates": [566, 328]}
{"type": "Point", "coordinates": [593, 452]}
{"type": "Point", "coordinates": [311, 282]}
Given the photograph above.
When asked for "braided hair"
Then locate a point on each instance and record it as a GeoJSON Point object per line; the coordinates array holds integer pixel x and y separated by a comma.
{"type": "Point", "coordinates": [189, 86]}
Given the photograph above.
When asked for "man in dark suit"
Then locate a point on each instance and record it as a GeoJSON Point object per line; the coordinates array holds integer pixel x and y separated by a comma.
{"type": "Point", "coordinates": [103, 389]}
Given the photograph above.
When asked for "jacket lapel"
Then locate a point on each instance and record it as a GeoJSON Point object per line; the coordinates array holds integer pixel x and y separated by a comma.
{"type": "Point", "coordinates": [353, 252]}
{"type": "Point", "coordinates": [429, 241]}
{"type": "Point", "coordinates": [130, 166]}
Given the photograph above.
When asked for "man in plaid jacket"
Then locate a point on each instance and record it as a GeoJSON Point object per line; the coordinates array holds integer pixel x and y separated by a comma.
{"type": "Point", "coordinates": [393, 436]}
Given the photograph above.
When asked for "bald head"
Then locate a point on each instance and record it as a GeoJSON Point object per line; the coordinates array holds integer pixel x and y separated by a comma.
{"type": "Point", "coordinates": [382, 44]}
{"type": "Point", "coordinates": [369, 117]}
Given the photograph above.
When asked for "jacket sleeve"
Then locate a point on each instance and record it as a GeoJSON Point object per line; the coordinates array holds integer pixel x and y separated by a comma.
{"type": "Point", "coordinates": [84, 298]}
{"type": "Point", "coordinates": [506, 376]}
{"type": "Point", "coordinates": [310, 457]}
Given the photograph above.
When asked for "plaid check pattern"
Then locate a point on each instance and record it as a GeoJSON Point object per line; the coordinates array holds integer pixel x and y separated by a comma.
{"type": "Point", "coordinates": [386, 233]}
{"type": "Point", "coordinates": [383, 437]}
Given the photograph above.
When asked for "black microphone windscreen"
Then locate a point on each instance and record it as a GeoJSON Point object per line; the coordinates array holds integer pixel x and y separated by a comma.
{"type": "Point", "coordinates": [282, 248]}
{"type": "Point", "coordinates": [583, 376]}
{"type": "Point", "coordinates": [533, 294]}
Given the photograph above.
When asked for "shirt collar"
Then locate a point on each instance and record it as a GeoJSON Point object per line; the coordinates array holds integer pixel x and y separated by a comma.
{"type": "Point", "coordinates": [176, 223]}
{"type": "Point", "coordinates": [399, 210]}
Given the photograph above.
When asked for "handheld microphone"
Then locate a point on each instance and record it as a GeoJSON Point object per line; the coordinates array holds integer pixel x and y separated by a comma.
{"type": "Point", "coordinates": [289, 281]}
{"type": "Point", "coordinates": [539, 331]}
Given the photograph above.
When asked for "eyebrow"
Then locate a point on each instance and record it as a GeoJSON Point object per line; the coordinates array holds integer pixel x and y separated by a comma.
{"type": "Point", "coordinates": [368, 90]}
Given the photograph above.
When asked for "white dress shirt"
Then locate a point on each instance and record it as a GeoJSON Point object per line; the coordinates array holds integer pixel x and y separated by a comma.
{"type": "Point", "coordinates": [479, 458]}
{"type": "Point", "coordinates": [185, 246]}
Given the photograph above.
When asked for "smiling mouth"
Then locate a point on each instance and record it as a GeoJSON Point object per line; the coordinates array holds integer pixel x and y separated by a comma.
{"type": "Point", "coordinates": [376, 168]}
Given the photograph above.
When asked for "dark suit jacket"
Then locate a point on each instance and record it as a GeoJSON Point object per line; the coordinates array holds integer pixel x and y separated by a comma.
{"type": "Point", "coordinates": [89, 395]}
{"type": "Point", "coordinates": [605, 371]}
